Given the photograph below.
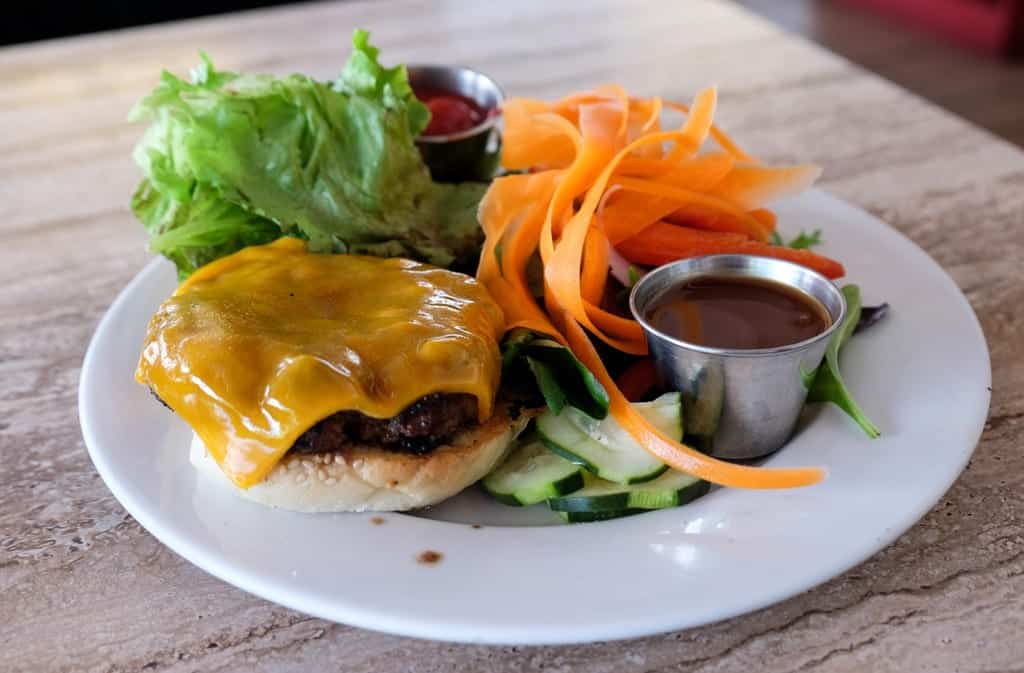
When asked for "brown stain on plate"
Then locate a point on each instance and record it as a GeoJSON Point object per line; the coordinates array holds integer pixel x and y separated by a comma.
{"type": "Point", "coordinates": [429, 557]}
{"type": "Point", "coordinates": [378, 521]}
{"type": "Point", "coordinates": [476, 525]}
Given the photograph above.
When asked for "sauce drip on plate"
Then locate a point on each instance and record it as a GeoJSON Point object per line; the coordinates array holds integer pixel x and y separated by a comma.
{"type": "Point", "coordinates": [429, 557]}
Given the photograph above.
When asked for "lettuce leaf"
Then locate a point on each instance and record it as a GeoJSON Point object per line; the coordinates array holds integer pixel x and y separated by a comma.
{"type": "Point", "coordinates": [365, 76]}
{"type": "Point", "coordinates": [232, 160]}
{"type": "Point", "coordinates": [197, 231]}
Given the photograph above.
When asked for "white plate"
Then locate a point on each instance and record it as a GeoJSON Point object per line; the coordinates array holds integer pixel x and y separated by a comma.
{"type": "Point", "coordinates": [923, 375]}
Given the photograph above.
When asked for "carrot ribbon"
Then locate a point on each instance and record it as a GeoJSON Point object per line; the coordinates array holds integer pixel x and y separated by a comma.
{"type": "Point", "coordinates": [605, 176]}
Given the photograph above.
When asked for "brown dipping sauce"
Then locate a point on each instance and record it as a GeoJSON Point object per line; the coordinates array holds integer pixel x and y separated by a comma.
{"type": "Point", "coordinates": [738, 313]}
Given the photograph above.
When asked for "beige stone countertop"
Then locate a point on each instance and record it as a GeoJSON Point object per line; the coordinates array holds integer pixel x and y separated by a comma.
{"type": "Point", "coordinates": [84, 588]}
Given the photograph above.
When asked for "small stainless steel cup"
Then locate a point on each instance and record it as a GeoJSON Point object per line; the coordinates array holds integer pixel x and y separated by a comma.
{"type": "Point", "coordinates": [472, 154]}
{"type": "Point", "coordinates": [738, 403]}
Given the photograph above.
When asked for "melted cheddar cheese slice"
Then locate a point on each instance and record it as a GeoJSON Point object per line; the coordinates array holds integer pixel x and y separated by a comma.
{"type": "Point", "coordinates": [254, 349]}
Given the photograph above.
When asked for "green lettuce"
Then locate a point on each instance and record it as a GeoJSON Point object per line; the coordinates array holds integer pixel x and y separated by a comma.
{"type": "Point", "coordinates": [231, 160]}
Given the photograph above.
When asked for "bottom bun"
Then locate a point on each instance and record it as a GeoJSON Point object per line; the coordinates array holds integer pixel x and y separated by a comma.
{"type": "Point", "coordinates": [372, 479]}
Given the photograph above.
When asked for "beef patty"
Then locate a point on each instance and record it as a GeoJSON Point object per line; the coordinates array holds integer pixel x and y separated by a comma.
{"type": "Point", "coordinates": [422, 426]}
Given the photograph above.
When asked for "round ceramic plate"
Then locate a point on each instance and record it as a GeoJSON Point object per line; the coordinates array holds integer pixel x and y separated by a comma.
{"type": "Point", "coordinates": [514, 575]}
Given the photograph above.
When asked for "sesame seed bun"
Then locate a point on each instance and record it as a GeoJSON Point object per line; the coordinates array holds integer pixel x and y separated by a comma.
{"type": "Point", "coordinates": [372, 479]}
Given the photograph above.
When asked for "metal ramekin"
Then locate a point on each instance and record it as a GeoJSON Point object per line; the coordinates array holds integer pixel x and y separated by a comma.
{"type": "Point", "coordinates": [738, 403]}
{"type": "Point", "coordinates": [472, 154]}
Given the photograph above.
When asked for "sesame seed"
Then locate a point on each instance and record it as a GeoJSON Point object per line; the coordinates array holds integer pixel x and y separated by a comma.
{"type": "Point", "coordinates": [321, 475]}
{"type": "Point", "coordinates": [339, 459]}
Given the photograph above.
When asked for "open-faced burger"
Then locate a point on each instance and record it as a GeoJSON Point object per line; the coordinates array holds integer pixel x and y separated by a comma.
{"type": "Point", "coordinates": [333, 382]}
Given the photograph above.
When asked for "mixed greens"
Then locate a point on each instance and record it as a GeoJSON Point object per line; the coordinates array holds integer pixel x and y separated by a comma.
{"type": "Point", "coordinates": [579, 461]}
{"type": "Point", "coordinates": [231, 160]}
{"type": "Point", "coordinates": [828, 384]}
{"type": "Point", "coordinates": [803, 241]}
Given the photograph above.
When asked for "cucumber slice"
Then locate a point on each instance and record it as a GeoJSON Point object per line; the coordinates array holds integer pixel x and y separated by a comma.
{"type": "Point", "coordinates": [532, 474]}
{"type": "Point", "coordinates": [669, 490]}
{"type": "Point", "coordinates": [587, 517]}
{"type": "Point", "coordinates": [604, 448]}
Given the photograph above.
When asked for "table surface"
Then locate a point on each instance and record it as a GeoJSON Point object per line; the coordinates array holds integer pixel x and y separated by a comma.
{"type": "Point", "coordinates": [84, 588]}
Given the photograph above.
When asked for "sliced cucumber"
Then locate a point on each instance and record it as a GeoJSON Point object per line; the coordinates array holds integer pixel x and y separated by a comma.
{"type": "Point", "coordinates": [532, 474]}
{"type": "Point", "coordinates": [669, 490]}
{"type": "Point", "coordinates": [587, 517]}
{"type": "Point", "coordinates": [603, 447]}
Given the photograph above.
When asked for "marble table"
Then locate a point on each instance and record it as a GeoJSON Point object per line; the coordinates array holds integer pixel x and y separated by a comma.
{"type": "Point", "coordinates": [84, 588]}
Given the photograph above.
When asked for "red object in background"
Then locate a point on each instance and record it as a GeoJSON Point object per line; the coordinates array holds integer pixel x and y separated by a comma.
{"type": "Point", "coordinates": [994, 26]}
{"type": "Point", "coordinates": [449, 112]}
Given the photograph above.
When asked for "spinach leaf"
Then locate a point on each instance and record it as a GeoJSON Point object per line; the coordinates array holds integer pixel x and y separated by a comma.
{"type": "Point", "coordinates": [803, 241]}
{"type": "Point", "coordinates": [560, 377]}
{"type": "Point", "coordinates": [828, 385]}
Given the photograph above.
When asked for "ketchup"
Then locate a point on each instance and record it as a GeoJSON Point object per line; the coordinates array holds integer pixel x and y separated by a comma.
{"type": "Point", "coordinates": [449, 112]}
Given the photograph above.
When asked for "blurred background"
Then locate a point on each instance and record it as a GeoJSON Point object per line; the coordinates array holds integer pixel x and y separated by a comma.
{"type": "Point", "coordinates": [964, 55]}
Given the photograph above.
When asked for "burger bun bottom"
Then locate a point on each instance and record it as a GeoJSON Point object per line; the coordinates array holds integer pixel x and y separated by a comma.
{"type": "Point", "coordinates": [372, 479]}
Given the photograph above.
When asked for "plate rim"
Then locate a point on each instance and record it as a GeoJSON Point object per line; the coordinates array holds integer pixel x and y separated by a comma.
{"type": "Point", "coordinates": [454, 631]}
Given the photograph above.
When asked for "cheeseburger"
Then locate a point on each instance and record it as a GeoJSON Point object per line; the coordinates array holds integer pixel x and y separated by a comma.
{"type": "Point", "coordinates": [333, 382]}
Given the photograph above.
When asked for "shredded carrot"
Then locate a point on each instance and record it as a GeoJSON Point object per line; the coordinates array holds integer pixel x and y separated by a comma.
{"type": "Point", "coordinates": [709, 218]}
{"type": "Point", "coordinates": [595, 266]}
{"type": "Point", "coordinates": [638, 125]}
{"type": "Point", "coordinates": [663, 242]}
{"type": "Point", "coordinates": [766, 217]}
{"type": "Point", "coordinates": [627, 213]}
{"type": "Point", "coordinates": [517, 241]}
{"type": "Point", "coordinates": [751, 225]}
{"type": "Point", "coordinates": [562, 268]}
{"type": "Point", "coordinates": [697, 126]}
{"type": "Point", "coordinates": [534, 137]}
{"type": "Point", "coordinates": [720, 136]}
{"type": "Point", "coordinates": [603, 176]}
{"type": "Point", "coordinates": [608, 322]}
{"type": "Point", "coordinates": [751, 186]}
